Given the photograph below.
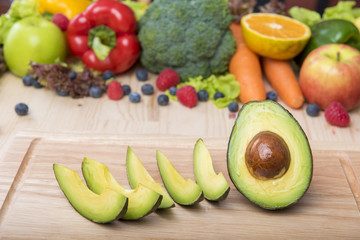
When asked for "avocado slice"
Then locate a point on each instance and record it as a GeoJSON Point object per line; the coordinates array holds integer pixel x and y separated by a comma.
{"type": "Point", "coordinates": [269, 157]}
{"type": "Point", "coordinates": [137, 174]}
{"type": "Point", "coordinates": [142, 200]}
{"type": "Point", "coordinates": [183, 192]}
{"type": "Point", "coordinates": [214, 186]}
{"type": "Point", "coordinates": [110, 205]}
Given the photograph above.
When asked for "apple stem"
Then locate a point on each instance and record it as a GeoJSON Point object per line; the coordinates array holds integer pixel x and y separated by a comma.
{"type": "Point", "coordinates": [338, 56]}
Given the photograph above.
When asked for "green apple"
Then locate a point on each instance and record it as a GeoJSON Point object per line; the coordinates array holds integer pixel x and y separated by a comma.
{"type": "Point", "coordinates": [33, 39]}
{"type": "Point", "coordinates": [332, 73]}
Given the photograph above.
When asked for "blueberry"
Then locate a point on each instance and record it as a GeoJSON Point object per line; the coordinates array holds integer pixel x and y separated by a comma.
{"type": "Point", "coordinates": [203, 95]}
{"type": "Point", "coordinates": [172, 91]}
{"type": "Point", "coordinates": [21, 109]}
{"type": "Point", "coordinates": [27, 80]}
{"type": "Point", "coordinates": [163, 100]}
{"type": "Point", "coordinates": [72, 75]}
{"type": "Point", "coordinates": [218, 95]}
{"type": "Point", "coordinates": [233, 107]}
{"type": "Point", "coordinates": [126, 89]}
{"type": "Point", "coordinates": [313, 110]}
{"type": "Point", "coordinates": [95, 92]}
{"type": "Point", "coordinates": [36, 83]}
{"type": "Point", "coordinates": [272, 95]}
{"type": "Point", "coordinates": [134, 97]}
{"type": "Point", "coordinates": [107, 75]}
{"type": "Point", "coordinates": [61, 92]}
{"type": "Point", "coordinates": [142, 74]}
{"type": "Point", "coordinates": [147, 89]}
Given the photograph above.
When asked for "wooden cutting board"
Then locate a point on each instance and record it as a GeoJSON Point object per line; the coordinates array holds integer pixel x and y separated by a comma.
{"type": "Point", "coordinates": [36, 208]}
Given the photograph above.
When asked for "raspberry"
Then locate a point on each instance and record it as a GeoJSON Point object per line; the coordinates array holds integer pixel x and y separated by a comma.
{"type": "Point", "coordinates": [336, 115]}
{"type": "Point", "coordinates": [187, 96]}
{"type": "Point", "coordinates": [167, 78]}
{"type": "Point", "coordinates": [61, 21]}
{"type": "Point", "coordinates": [114, 91]}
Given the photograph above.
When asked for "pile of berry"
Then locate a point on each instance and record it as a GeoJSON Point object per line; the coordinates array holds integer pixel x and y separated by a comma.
{"type": "Point", "coordinates": [168, 80]}
{"type": "Point", "coordinates": [335, 114]}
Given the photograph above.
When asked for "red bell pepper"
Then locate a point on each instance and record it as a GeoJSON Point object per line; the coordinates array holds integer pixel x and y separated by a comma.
{"type": "Point", "coordinates": [104, 36]}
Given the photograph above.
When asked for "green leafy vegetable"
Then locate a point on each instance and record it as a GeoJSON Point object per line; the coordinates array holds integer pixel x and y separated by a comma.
{"type": "Point", "coordinates": [137, 7]}
{"type": "Point", "coordinates": [23, 8]}
{"type": "Point", "coordinates": [19, 9]}
{"type": "Point", "coordinates": [343, 10]}
{"type": "Point", "coordinates": [3, 66]}
{"type": "Point", "coordinates": [226, 84]}
{"type": "Point", "coordinates": [56, 77]}
{"type": "Point", "coordinates": [304, 15]}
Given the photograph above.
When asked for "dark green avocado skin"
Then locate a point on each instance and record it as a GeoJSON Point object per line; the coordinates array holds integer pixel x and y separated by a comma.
{"type": "Point", "coordinates": [301, 132]}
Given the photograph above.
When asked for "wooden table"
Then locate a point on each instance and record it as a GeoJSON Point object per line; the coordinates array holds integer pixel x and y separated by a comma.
{"type": "Point", "coordinates": [54, 120]}
{"type": "Point", "coordinates": [53, 113]}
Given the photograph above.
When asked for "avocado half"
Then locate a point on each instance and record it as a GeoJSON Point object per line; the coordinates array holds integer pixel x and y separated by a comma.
{"type": "Point", "coordinates": [183, 192]}
{"type": "Point", "coordinates": [110, 205]}
{"type": "Point", "coordinates": [269, 158]}
{"type": "Point", "coordinates": [141, 201]}
{"type": "Point", "coordinates": [214, 186]}
{"type": "Point", "coordinates": [137, 174]}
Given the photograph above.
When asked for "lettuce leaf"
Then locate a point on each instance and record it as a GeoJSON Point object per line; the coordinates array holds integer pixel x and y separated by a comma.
{"type": "Point", "coordinates": [304, 15]}
{"type": "Point", "coordinates": [226, 84]}
{"type": "Point", "coordinates": [18, 10]}
{"type": "Point", "coordinates": [343, 10]}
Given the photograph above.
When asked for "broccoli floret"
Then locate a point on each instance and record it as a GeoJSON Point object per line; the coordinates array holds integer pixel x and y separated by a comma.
{"type": "Point", "coordinates": [189, 36]}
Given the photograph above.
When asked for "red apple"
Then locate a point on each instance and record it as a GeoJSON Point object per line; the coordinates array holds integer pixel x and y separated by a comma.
{"type": "Point", "coordinates": [332, 73]}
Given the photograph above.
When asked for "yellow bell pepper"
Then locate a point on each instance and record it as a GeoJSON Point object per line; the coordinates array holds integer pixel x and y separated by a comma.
{"type": "Point", "coordinates": [70, 8]}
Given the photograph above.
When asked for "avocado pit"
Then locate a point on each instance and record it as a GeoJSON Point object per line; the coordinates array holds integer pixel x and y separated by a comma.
{"type": "Point", "coordinates": [267, 156]}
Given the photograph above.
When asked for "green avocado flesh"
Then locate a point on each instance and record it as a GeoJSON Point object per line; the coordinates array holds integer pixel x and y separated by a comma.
{"type": "Point", "coordinates": [137, 174]}
{"type": "Point", "coordinates": [184, 192]}
{"type": "Point", "coordinates": [214, 186]}
{"type": "Point", "coordinates": [110, 205]}
{"type": "Point", "coordinates": [141, 200]}
{"type": "Point", "coordinates": [289, 185]}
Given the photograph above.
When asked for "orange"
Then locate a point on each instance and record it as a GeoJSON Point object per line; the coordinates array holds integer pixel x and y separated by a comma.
{"type": "Point", "coordinates": [274, 36]}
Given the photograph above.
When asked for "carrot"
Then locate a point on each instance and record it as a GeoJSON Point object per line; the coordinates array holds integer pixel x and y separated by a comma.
{"type": "Point", "coordinates": [237, 32]}
{"type": "Point", "coordinates": [245, 66]}
{"type": "Point", "coordinates": [282, 78]}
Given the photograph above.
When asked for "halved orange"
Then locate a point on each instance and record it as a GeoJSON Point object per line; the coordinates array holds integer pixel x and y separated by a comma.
{"type": "Point", "coordinates": [274, 36]}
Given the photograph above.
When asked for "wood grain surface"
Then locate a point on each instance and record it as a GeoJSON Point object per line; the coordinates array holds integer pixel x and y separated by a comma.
{"type": "Point", "coordinates": [52, 113]}
{"type": "Point", "coordinates": [35, 207]}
